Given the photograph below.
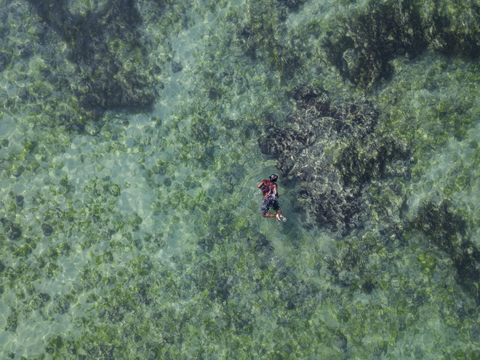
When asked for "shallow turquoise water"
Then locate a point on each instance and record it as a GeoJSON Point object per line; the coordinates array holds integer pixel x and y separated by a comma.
{"type": "Point", "coordinates": [138, 234]}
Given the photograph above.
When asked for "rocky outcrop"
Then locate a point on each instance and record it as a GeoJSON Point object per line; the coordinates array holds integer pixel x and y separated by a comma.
{"type": "Point", "coordinates": [448, 230]}
{"type": "Point", "coordinates": [334, 150]}
{"type": "Point", "coordinates": [107, 48]}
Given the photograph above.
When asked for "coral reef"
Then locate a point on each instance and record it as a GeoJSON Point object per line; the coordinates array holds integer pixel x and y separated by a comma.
{"type": "Point", "coordinates": [142, 238]}
{"type": "Point", "coordinates": [293, 4]}
{"type": "Point", "coordinates": [106, 47]}
{"type": "Point", "coordinates": [365, 42]}
{"type": "Point", "coordinates": [448, 231]}
{"type": "Point", "coordinates": [263, 33]}
{"type": "Point", "coordinates": [13, 231]}
{"type": "Point", "coordinates": [453, 28]}
{"type": "Point", "coordinates": [334, 151]}
{"type": "Point", "coordinates": [362, 43]}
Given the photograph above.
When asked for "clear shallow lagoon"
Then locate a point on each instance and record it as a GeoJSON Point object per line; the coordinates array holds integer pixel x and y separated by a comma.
{"type": "Point", "coordinates": [135, 232]}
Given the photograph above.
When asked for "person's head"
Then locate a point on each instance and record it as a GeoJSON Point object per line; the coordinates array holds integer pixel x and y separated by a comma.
{"type": "Point", "coordinates": [273, 177]}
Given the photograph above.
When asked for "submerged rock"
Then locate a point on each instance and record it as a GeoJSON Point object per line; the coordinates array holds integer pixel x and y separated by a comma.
{"type": "Point", "coordinates": [17, 171]}
{"type": "Point", "coordinates": [340, 341]}
{"type": "Point", "coordinates": [107, 48]}
{"type": "Point", "coordinates": [264, 35]}
{"type": "Point", "coordinates": [47, 229]}
{"type": "Point", "coordinates": [368, 40]}
{"type": "Point", "coordinates": [13, 231]}
{"type": "Point", "coordinates": [448, 230]}
{"type": "Point", "coordinates": [293, 3]}
{"type": "Point", "coordinates": [176, 67]}
{"type": "Point", "coordinates": [363, 42]}
{"type": "Point", "coordinates": [334, 150]}
{"type": "Point", "coordinates": [19, 199]}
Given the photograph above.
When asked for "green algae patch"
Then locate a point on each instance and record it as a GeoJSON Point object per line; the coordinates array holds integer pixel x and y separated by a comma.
{"type": "Point", "coordinates": [182, 264]}
{"type": "Point", "coordinates": [427, 263]}
{"type": "Point", "coordinates": [23, 250]}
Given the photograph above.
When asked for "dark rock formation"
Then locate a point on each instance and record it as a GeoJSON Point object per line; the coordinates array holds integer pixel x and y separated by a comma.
{"type": "Point", "coordinates": [292, 4]}
{"type": "Point", "coordinates": [47, 229]}
{"type": "Point", "coordinates": [12, 230]}
{"type": "Point", "coordinates": [101, 44]}
{"type": "Point", "coordinates": [176, 67]}
{"type": "Point", "coordinates": [361, 44]}
{"type": "Point", "coordinates": [334, 151]}
{"type": "Point", "coordinates": [454, 30]}
{"type": "Point", "coordinates": [19, 199]}
{"type": "Point", "coordinates": [367, 41]}
{"type": "Point", "coordinates": [448, 231]}
{"type": "Point", "coordinates": [265, 35]}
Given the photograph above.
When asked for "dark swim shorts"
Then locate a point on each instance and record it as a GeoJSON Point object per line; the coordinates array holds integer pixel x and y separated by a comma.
{"type": "Point", "coordinates": [266, 204]}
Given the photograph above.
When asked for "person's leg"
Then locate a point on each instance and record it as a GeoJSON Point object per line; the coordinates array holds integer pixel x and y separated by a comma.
{"type": "Point", "coordinates": [279, 216]}
{"type": "Point", "coordinates": [265, 207]}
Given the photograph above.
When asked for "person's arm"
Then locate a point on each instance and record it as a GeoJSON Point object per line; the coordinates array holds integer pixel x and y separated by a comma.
{"type": "Point", "coordinates": [276, 191]}
{"type": "Point", "coordinates": [261, 184]}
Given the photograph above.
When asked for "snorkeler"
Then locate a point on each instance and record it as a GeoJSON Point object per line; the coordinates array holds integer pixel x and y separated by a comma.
{"type": "Point", "coordinates": [270, 196]}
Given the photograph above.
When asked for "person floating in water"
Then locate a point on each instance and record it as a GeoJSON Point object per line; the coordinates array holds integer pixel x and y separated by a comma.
{"type": "Point", "coordinates": [270, 196]}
